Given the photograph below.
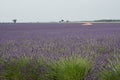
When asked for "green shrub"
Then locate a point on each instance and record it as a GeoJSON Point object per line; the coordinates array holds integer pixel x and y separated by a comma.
{"type": "Point", "coordinates": [112, 74]}
{"type": "Point", "coordinates": [73, 68]}
{"type": "Point", "coordinates": [21, 69]}
{"type": "Point", "coordinates": [69, 69]}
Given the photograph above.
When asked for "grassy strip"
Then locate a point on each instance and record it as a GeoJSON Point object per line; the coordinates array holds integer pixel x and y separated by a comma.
{"type": "Point", "coordinates": [21, 69]}
{"type": "Point", "coordinates": [113, 72]}
{"type": "Point", "coordinates": [69, 69]}
{"type": "Point", "coordinates": [34, 69]}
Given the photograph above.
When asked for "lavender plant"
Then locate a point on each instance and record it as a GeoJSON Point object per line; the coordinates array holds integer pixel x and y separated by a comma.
{"type": "Point", "coordinates": [113, 70]}
{"type": "Point", "coordinates": [54, 42]}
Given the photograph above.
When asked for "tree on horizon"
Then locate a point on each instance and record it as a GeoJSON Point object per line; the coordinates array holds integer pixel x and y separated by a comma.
{"type": "Point", "coordinates": [14, 20]}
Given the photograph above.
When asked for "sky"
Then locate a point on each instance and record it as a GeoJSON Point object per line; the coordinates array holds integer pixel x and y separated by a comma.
{"type": "Point", "coordinates": [55, 10]}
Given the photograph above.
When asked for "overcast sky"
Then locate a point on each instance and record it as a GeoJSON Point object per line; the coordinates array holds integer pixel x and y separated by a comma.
{"type": "Point", "coordinates": [55, 10]}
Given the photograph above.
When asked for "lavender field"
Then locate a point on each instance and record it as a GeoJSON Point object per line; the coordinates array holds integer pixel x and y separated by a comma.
{"type": "Point", "coordinates": [42, 46]}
